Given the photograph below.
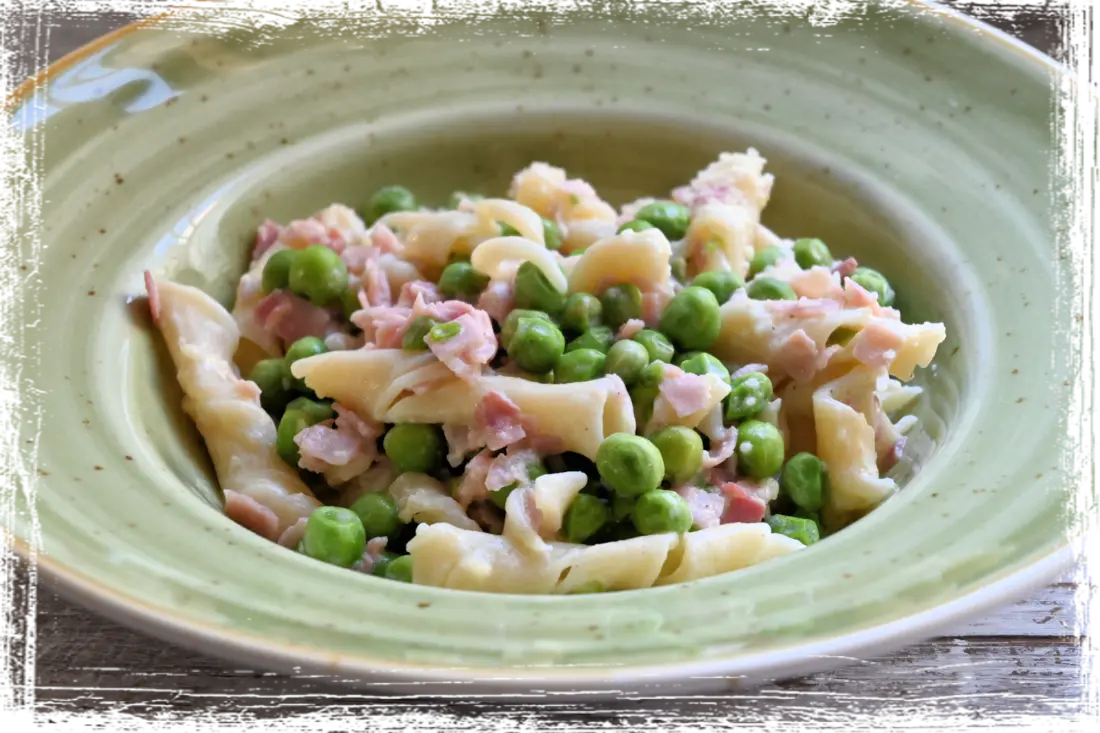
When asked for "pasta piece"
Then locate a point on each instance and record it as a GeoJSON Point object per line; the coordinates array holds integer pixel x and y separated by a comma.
{"type": "Point", "coordinates": [727, 547]}
{"type": "Point", "coordinates": [249, 294]}
{"type": "Point", "coordinates": [669, 408]}
{"type": "Point", "coordinates": [720, 237]}
{"type": "Point", "coordinates": [641, 258]}
{"type": "Point", "coordinates": [240, 437]}
{"type": "Point", "coordinates": [735, 179]}
{"type": "Point", "coordinates": [420, 498]}
{"type": "Point", "coordinates": [431, 237]}
{"type": "Point", "coordinates": [584, 217]}
{"type": "Point", "coordinates": [492, 212]}
{"type": "Point", "coordinates": [623, 565]}
{"type": "Point", "coordinates": [535, 513]}
{"type": "Point", "coordinates": [896, 396]}
{"type": "Point", "coordinates": [499, 258]}
{"type": "Point", "coordinates": [361, 380]}
{"type": "Point", "coordinates": [843, 413]}
{"type": "Point", "coordinates": [345, 224]}
{"type": "Point", "coordinates": [578, 416]}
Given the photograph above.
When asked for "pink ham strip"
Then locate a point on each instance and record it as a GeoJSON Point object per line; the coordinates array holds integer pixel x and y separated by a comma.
{"type": "Point", "coordinates": [290, 317]}
{"type": "Point", "coordinates": [706, 507]}
{"type": "Point", "coordinates": [653, 305]}
{"type": "Point", "coordinates": [375, 547]}
{"type": "Point", "coordinates": [472, 487]}
{"type": "Point", "coordinates": [474, 346]}
{"type": "Point", "coordinates": [685, 393]}
{"type": "Point", "coordinates": [497, 300]}
{"type": "Point", "coordinates": [798, 356]}
{"type": "Point", "coordinates": [499, 420]}
{"type": "Point", "coordinates": [630, 329]}
{"type": "Point", "coordinates": [695, 197]}
{"type": "Point", "coordinates": [292, 535]}
{"type": "Point", "coordinates": [509, 468]}
{"type": "Point", "coordinates": [266, 235]}
{"type": "Point", "coordinates": [323, 445]}
{"type": "Point", "coordinates": [749, 369]}
{"type": "Point", "coordinates": [423, 289]}
{"type": "Point", "coordinates": [876, 345]}
{"type": "Point", "coordinates": [846, 267]}
{"type": "Point", "coordinates": [375, 284]}
{"type": "Point", "coordinates": [741, 505]}
{"type": "Point", "coordinates": [721, 448]}
{"type": "Point", "coordinates": [382, 237]}
{"type": "Point", "coordinates": [154, 297]}
{"type": "Point", "coordinates": [250, 514]}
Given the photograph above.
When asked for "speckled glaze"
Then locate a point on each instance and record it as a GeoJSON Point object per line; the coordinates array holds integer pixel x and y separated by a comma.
{"type": "Point", "coordinates": [908, 137]}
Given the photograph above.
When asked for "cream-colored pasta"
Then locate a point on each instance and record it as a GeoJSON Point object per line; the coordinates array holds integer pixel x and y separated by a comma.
{"type": "Point", "coordinates": [249, 294]}
{"type": "Point", "coordinates": [641, 258]}
{"type": "Point", "coordinates": [499, 258]}
{"type": "Point", "coordinates": [431, 237]}
{"type": "Point", "coordinates": [493, 212]}
{"type": "Point", "coordinates": [360, 380]}
{"type": "Point", "coordinates": [202, 337]}
{"type": "Point", "coordinates": [725, 548]}
{"type": "Point", "coordinates": [578, 415]}
{"type": "Point", "coordinates": [534, 513]}
{"type": "Point", "coordinates": [720, 237]}
{"type": "Point", "coordinates": [582, 215]}
{"type": "Point", "coordinates": [896, 396]}
{"type": "Point", "coordinates": [346, 223]}
{"type": "Point", "coordinates": [420, 498]}
{"type": "Point", "coordinates": [664, 414]}
{"type": "Point", "coordinates": [740, 179]}
{"type": "Point", "coordinates": [843, 413]}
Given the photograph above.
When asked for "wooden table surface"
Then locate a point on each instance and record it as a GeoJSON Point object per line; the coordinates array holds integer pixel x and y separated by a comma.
{"type": "Point", "coordinates": [1021, 661]}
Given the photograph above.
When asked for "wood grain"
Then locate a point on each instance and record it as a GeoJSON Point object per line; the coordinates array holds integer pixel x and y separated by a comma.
{"type": "Point", "coordinates": [1025, 659]}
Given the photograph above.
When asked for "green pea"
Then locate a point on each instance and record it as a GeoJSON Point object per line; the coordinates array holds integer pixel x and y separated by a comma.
{"type": "Point", "coordinates": [276, 274]}
{"type": "Point", "coordinates": [642, 397]}
{"type": "Point", "coordinates": [400, 569]}
{"type": "Point", "coordinates": [812, 253]}
{"type": "Point", "coordinates": [873, 282]}
{"type": "Point", "coordinates": [582, 312]}
{"type": "Point", "coordinates": [444, 332]}
{"type": "Point", "coordinates": [621, 303]}
{"type": "Point", "coordinates": [579, 365]}
{"type": "Point", "coordinates": [803, 479]}
{"type": "Point", "coordinates": [661, 511]}
{"type": "Point", "coordinates": [290, 424]}
{"type": "Point", "coordinates": [318, 273]}
{"type": "Point", "coordinates": [723, 284]}
{"type": "Point", "coordinates": [629, 464]}
{"type": "Point", "coordinates": [590, 586]}
{"type": "Point", "coordinates": [692, 319]}
{"type": "Point", "coordinates": [303, 348]}
{"type": "Point", "coordinates": [315, 410]}
{"type": "Point", "coordinates": [414, 447]}
{"type": "Point", "coordinates": [804, 530]}
{"type": "Point", "coordinates": [671, 218]}
{"type": "Point", "coordinates": [841, 336]}
{"type": "Point", "coordinates": [508, 328]}
{"type": "Point", "coordinates": [597, 338]}
{"type": "Point", "coordinates": [500, 496]}
{"type": "Point", "coordinates": [461, 280]}
{"type": "Point", "coordinates": [679, 268]}
{"type": "Point", "coordinates": [349, 301]}
{"type": "Point", "coordinates": [749, 395]}
{"type": "Point", "coordinates": [700, 362]}
{"type": "Point", "coordinates": [388, 200]}
{"type": "Point", "coordinates": [635, 225]}
{"type": "Point", "coordinates": [551, 234]}
{"type": "Point", "coordinates": [622, 507]}
{"type": "Point", "coordinates": [334, 535]}
{"type": "Point", "coordinates": [585, 516]}
{"type": "Point", "coordinates": [653, 374]}
{"type": "Point", "coordinates": [627, 359]}
{"type": "Point", "coordinates": [656, 345]}
{"type": "Point", "coordinates": [814, 517]}
{"type": "Point", "coordinates": [764, 259]}
{"type": "Point", "coordinates": [759, 449]}
{"type": "Point", "coordinates": [507, 230]}
{"type": "Point", "coordinates": [682, 451]}
{"type": "Point", "coordinates": [536, 345]}
{"type": "Point", "coordinates": [273, 378]}
{"type": "Point", "coordinates": [378, 513]}
{"type": "Point", "coordinates": [534, 290]}
{"type": "Point", "coordinates": [457, 198]}
{"type": "Point", "coordinates": [416, 332]}
{"type": "Point", "coordinates": [382, 562]}
{"type": "Point", "coordinates": [768, 288]}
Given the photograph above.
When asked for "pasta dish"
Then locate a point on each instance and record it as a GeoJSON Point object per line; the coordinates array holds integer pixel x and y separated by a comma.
{"type": "Point", "coordinates": [542, 393]}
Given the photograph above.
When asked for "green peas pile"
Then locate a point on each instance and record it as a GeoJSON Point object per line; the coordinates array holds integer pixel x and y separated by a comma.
{"type": "Point", "coordinates": [315, 273]}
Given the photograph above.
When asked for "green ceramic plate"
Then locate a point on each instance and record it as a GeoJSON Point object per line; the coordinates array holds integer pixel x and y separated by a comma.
{"type": "Point", "coordinates": [916, 140]}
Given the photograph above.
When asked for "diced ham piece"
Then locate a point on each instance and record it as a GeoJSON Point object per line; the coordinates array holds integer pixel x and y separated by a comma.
{"type": "Point", "coordinates": [290, 317]}
{"type": "Point", "coordinates": [374, 549]}
{"type": "Point", "coordinates": [461, 441]}
{"type": "Point", "coordinates": [630, 329]}
{"type": "Point", "coordinates": [706, 506]}
{"type": "Point", "coordinates": [817, 283]}
{"type": "Point", "coordinates": [686, 394]}
{"type": "Point", "coordinates": [846, 268]}
{"type": "Point", "coordinates": [375, 284]}
{"type": "Point", "coordinates": [325, 445]}
{"type": "Point", "coordinates": [382, 237]}
{"type": "Point", "coordinates": [876, 345]}
{"type": "Point", "coordinates": [749, 369]}
{"type": "Point", "coordinates": [653, 305]}
{"type": "Point", "coordinates": [472, 486]}
{"type": "Point", "coordinates": [721, 448]}
{"type": "Point", "coordinates": [509, 468]}
{"type": "Point", "coordinates": [696, 196]}
{"type": "Point", "coordinates": [470, 349]}
{"type": "Point", "coordinates": [302, 233]}
{"type": "Point", "coordinates": [251, 514]}
{"type": "Point", "coordinates": [154, 297]}
{"type": "Point", "coordinates": [266, 235]}
{"type": "Point", "coordinates": [856, 296]}
{"type": "Point", "coordinates": [383, 326]}
{"type": "Point", "coordinates": [799, 356]}
{"type": "Point", "coordinates": [487, 516]}
{"type": "Point", "coordinates": [497, 300]}
{"type": "Point", "coordinates": [355, 258]}
{"type": "Point", "coordinates": [499, 420]}
{"type": "Point", "coordinates": [292, 535]}
{"type": "Point", "coordinates": [741, 505]}
{"type": "Point", "coordinates": [422, 289]}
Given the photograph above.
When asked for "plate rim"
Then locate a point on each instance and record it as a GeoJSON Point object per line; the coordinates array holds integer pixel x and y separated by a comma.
{"type": "Point", "coordinates": [793, 661]}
